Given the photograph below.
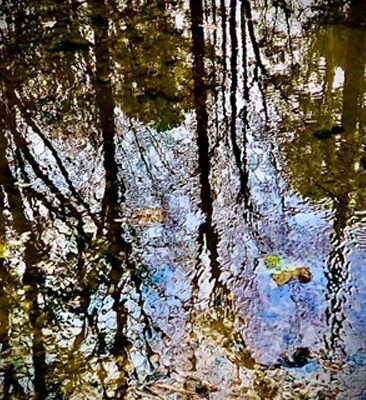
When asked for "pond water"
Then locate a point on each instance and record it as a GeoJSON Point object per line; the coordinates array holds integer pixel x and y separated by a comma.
{"type": "Point", "coordinates": [183, 199]}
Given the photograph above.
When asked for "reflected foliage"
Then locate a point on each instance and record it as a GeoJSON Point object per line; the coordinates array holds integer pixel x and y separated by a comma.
{"type": "Point", "coordinates": [151, 53]}
{"type": "Point", "coordinates": [327, 92]}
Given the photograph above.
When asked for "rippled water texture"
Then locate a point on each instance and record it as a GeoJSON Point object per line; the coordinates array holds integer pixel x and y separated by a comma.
{"type": "Point", "coordinates": [183, 199]}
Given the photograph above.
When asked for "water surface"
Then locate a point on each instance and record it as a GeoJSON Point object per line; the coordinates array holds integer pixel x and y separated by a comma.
{"type": "Point", "coordinates": [183, 197]}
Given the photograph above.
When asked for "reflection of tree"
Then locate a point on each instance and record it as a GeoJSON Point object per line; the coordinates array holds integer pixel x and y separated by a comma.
{"type": "Point", "coordinates": [8, 282]}
{"type": "Point", "coordinates": [33, 279]}
{"type": "Point", "coordinates": [221, 306]}
{"type": "Point", "coordinates": [207, 232]}
{"type": "Point", "coordinates": [44, 90]}
{"type": "Point", "coordinates": [116, 245]}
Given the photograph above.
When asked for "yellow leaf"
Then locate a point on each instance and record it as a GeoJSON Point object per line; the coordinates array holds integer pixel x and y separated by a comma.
{"type": "Point", "coordinates": [283, 278]}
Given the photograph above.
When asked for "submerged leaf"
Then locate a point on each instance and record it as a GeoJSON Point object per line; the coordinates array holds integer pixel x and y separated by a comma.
{"type": "Point", "coordinates": [150, 216]}
{"type": "Point", "coordinates": [300, 357]}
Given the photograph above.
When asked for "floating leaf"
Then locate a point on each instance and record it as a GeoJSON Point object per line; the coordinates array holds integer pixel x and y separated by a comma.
{"type": "Point", "coordinates": [283, 277]}
{"type": "Point", "coordinates": [303, 275]}
{"type": "Point", "coordinates": [272, 261]}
